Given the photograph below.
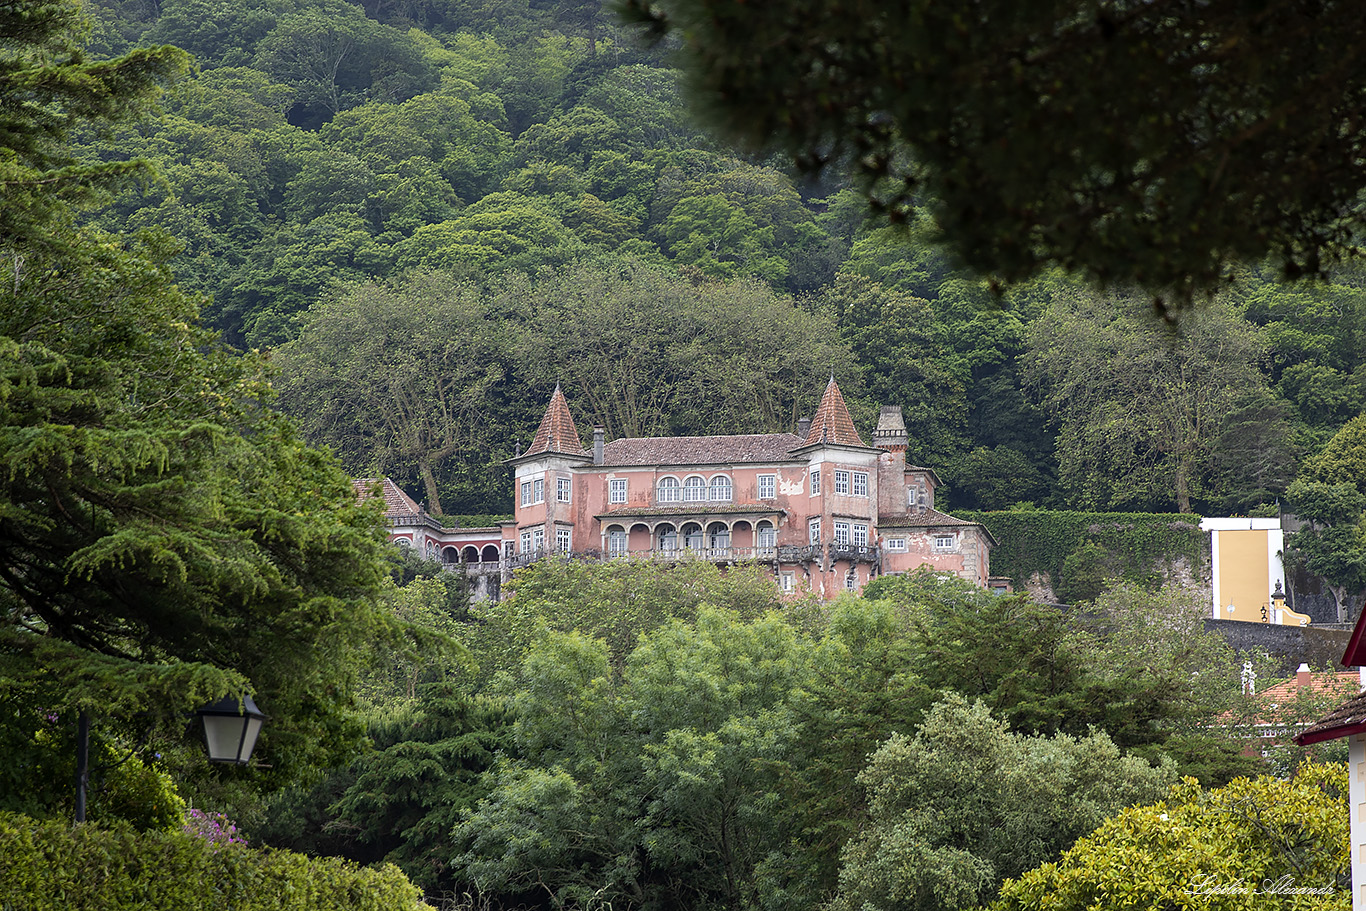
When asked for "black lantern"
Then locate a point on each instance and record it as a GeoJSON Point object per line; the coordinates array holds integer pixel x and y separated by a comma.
{"type": "Point", "coordinates": [231, 728]}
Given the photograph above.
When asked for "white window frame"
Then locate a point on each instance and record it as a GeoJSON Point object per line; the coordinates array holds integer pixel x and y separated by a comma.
{"type": "Point", "coordinates": [815, 481]}
{"type": "Point", "coordinates": [526, 493]}
{"type": "Point", "coordinates": [695, 489]}
{"type": "Point", "coordinates": [813, 530]}
{"type": "Point", "coordinates": [841, 532]}
{"type": "Point", "coordinates": [896, 545]}
{"type": "Point", "coordinates": [537, 490]}
{"type": "Point", "coordinates": [618, 541]}
{"type": "Point", "coordinates": [789, 582]}
{"type": "Point", "coordinates": [851, 579]}
{"type": "Point", "coordinates": [669, 493]}
{"type": "Point", "coordinates": [860, 482]}
{"type": "Point", "coordinates": [720, 489]}
{"type": "Point", "coordinates": [538, 539]}
{"type": "Point", "coordinates": [526, 541]}
{"type": "Point", "coordinates": [859, 534]}
{"type": "Point", "coordinates": [563, 489]}
{"type": "Point", "coordinates": [841, 481]}
{"type": "Point", "coordinates": [765, 536]}
{"type": "Point", "coordinates": [767, 486]}
{"type": "Point", "coordinates": [616, 490]}
{"type": "Point", "coordinates": [944, 542]}
{"type": "Point", "coordinates": [564, 538]}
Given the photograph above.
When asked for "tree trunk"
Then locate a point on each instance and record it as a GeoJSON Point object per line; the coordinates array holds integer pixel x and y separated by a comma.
{"type": "Point", "coordinates": [429, 485]}
{"type": "Point", "coordinates": [1183, 489]}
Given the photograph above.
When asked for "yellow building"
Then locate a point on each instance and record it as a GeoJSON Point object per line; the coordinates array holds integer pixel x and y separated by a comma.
{"type": "Point", "coordinates": [1247, 573]}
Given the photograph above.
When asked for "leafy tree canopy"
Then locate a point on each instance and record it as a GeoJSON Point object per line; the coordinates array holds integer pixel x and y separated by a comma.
{"type": "Point", "coordinates": [1208, 851]}
{"type": "Point", "coordinates": [165, 537]}
{"type": "Point", "coordinates": [1150, 143]}
{"type": "Point", "coordinates": [966, 803]}
{"type": "Point", "coordinates": [48, 89]}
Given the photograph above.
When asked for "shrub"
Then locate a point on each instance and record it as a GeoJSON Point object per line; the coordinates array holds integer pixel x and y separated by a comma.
{"type": "Point", "coordinates": [48, 866]}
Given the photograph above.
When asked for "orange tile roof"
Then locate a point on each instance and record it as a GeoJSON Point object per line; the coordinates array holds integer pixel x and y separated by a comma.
{"type": "Point", "coordinates": [396, 502]}
{"type": "Point", "coordinates": [682, 452]}
{"type": "Point", "coordinates": [832, 423]}
{"type": "Point", "coordinates": [557, 432]}
{"type": "Point", "coordinates": [1320, 682]}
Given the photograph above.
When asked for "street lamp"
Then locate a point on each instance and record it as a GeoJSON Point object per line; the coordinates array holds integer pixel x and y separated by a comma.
{"type": "Point", "coordinates": [230, 731]}
{"type": "Point", "coordinates": [1278, 601]}
{"type": "Point", "coordinates": [231, 728]}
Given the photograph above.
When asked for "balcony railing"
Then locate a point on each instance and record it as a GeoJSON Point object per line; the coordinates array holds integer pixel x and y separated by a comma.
{"type": "Point", "coordinates": [474, 569]}
{"type": "Point", "coordinates": [768, 554]}
{"type": "Point", "coordinates": [855, 553]}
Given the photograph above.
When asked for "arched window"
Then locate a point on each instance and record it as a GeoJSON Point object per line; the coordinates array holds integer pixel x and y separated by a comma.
{"type": "Point", "coordinates": [490, 553]}
{"type": "Point", "coordinates": [695, 489]}
{"type": "Point", "coordinates": [450, 555]}
{"type": "Point", "coordinates": [616, 541]}
{"type": "Point", "coordinates": [718, 537]}
{"type": "Point", "coordinates": [720, 489]}
{"type": "Point", "coordinates": [766, 537]}
{"type": "Point", "coordinates": [668, 490]}
{"type": "Point", "coordinates": [471, 554]}
{"type": "Point", "coordinates": [692, 536]}
{"type": "Point", "coordinates": [667, 536]}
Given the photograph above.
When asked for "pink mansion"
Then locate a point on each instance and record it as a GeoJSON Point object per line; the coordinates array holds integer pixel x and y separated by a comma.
{"type": "Point", "coordinates": [823, 509]}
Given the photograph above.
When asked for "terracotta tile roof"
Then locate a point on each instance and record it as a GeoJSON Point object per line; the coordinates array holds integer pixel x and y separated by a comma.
{"type": "Point", "coordinates": [684, 451]}
{"type": "Point", "coordinates": [832, 423]}
{"type": "Point", "coordinates": [396, 502]}
{"type": "Point", "coordinates": [1344, 721]}
{"type": "Point", "coordinates": [1343, 683]}
{"type": "Point", "coordinates": [557, 432]}
{"type": "Point", "coordinates": [929, 518]}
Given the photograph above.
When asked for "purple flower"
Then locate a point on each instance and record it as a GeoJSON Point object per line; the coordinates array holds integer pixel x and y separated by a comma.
{"type": "Point", "coordinates": [215, 828]}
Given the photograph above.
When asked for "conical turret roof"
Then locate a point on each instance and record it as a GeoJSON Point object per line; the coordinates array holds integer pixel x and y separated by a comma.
{"type": "Point", "coordinates": [557, 432]}
{"type": "Point", "coordinates": [832, 423]}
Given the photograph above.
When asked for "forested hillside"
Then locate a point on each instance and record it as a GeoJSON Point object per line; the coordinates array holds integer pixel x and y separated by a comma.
{"type": "Point", "coordinates": [430, 212]}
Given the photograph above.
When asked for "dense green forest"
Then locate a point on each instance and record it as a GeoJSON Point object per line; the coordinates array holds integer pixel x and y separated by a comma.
{"type": "Point", "coordinates": [607, 735]}
{"type": "Point", "coordinates": [428, 213]}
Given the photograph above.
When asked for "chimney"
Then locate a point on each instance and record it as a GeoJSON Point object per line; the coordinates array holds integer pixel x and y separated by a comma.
{"type": "Point", "coordinates": [891, 430]}
{"type": "Point", "coordinates": [803, 427]}
{"type": "Point", "coordinates": [599, 435]}
{"type": "Point", "coordinates": [1303, 676]}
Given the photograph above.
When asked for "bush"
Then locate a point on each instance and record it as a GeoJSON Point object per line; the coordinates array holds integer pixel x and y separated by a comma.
{"type": "Point", "coordinates": [48, 866]}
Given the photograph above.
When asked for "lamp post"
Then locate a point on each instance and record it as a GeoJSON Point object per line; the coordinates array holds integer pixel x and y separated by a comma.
{"type": "Point", "coordinates": [1277, 602]}
{"type": "Point", "coordinates": [231, 728]}
{"type": "Point", "coordinates": [230, 732]}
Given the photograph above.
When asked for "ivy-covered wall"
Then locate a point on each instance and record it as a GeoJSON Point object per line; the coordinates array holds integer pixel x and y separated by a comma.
{"type": "Point", "coordinates": [1077, 551]}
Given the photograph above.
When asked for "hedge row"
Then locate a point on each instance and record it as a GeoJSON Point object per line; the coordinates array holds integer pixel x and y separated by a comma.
{"type": "Point", "coordinates": [1143, 544]}
{"type": "Point", "coordinates": [49, 866]}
